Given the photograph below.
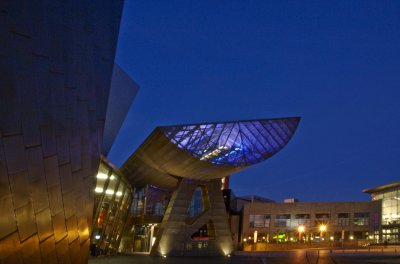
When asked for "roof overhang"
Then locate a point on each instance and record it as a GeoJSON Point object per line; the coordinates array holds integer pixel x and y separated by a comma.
{"type": "Point", "coordinates": [205, 151]}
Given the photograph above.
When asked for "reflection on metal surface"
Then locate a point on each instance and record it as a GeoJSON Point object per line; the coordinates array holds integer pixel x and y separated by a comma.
{"type": "Point", "coordinates": [56, 64]}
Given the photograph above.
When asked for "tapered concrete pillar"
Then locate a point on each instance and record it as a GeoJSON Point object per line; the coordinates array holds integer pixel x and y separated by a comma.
{"type": "Point", "coordinates": [174, 236]}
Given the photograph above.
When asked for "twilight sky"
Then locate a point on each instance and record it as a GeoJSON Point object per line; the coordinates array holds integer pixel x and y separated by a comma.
{"type": "Point", "coordinates": [334, 63]}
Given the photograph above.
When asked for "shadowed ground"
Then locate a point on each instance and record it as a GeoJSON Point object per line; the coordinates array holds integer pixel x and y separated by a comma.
{"type": "Point", "coordinates": [287, 257]}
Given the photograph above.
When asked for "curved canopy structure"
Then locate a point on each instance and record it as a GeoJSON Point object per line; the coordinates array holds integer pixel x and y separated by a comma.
{"type": "Point", "coordinates": [206, 151]}
{"type": "Point", "coordinates": [240, 143]}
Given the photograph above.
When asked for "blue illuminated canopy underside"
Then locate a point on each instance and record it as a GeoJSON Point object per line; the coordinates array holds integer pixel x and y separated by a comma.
{"type": "Point", "coordinates": [239, 143]}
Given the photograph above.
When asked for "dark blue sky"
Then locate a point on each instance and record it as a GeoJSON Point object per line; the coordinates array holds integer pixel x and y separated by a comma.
{"type": "Point", "coordinates": [334, 63]}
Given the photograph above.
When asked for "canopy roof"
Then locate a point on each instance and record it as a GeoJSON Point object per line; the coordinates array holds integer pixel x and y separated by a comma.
{"type": "Point", "coordinates": [239, 143]}
{"type": "Point", "coordinates": [206, 151]}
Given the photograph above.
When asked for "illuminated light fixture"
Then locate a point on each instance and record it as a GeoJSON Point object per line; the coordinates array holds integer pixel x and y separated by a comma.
{"type": "Point", "coordinates": [101, 176]}
{"type": "Point", "coordinates": [112, 177]}
{"type": "Point", "coordinates": [228, 255]}
{"type": "Point", "coordinates": [351, 237]}
{"type": "Point", "coordinates": [109, 192]}
{"type": "Point", "coordinates": [119, 193]}
{"type": "Point", "coordinates": [97, 237]}
{"type": "Point", "coordinates": [164, 256]}
{"type": "Point", "coordinates": [98, 190]}
{"type": "Point", "coordinates": [331, 238]}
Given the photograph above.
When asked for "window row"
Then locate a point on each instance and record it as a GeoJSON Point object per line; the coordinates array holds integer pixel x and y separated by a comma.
{"type": "Point", "coordinates": [285, 220]}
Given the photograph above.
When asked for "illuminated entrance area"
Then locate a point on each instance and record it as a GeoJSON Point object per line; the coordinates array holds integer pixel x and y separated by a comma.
{"type": "Point", "coordinates": [112, 203]}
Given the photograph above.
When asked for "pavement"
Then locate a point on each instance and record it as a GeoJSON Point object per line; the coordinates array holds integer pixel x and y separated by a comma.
{"type": "Point", "coordinates": [276, 257]}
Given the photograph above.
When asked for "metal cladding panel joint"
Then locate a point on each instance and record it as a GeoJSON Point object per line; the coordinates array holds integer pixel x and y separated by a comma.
{"type": "Point", "coordinates": [238, 143]}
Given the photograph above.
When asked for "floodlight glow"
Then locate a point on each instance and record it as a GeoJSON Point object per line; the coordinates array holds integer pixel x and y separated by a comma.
{"type": "Point", "coordinates": [98, 190]}
{"type": "Point", "coordinates": [322, 228]}
{"type": "Point", "coordinates": [101, 176]}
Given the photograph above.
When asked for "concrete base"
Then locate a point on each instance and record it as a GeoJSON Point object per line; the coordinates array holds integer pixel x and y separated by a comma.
{"type": "Point", "coordinates": [174, 236]}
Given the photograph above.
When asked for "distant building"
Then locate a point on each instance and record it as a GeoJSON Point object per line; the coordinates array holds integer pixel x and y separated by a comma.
{"type": "Point", "coordinates": [388, 196]}
{"type": "Point", "coordinates": [280, 222]}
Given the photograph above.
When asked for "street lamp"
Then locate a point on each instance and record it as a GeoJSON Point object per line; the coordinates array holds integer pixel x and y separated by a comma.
{"type": "Point", "coordinates": [301, 229]}
{"type": "Point", "coordinates": [322, 229]}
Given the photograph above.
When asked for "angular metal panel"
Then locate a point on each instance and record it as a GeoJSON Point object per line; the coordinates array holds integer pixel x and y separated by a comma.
{"type": "Point", "coordinates": [19, 188]}
{"type": "Point", "coordinates": [70, 203]}
{"type": "Point", "coordinates": [52, 171]}
{"type": "Point", "coordinates": [75, 250]}
{"type": "Point", "coordinates": [35, 163]}
{"type": "Point", "coordinates": [30, 250]}
{"type": "Point", "coordinates": [62, 250]}
{"type": "Point", "coordinates": [48, 250]}
{"type": "Point", "coordinates": [72, 228]}
{"type": "Point", "coordinates": [5, 190]}
{"type": "Point", "coordinates": [9, 246]}
{"type": "Point", "coordinates": [30, 128]}
{"type": "Point", "coordinates": [60, 231]}
{"type": "Point", "coordinates": [55, 199]}
{"type": "Point", "coordinates": [37, 189]}
{"type": "Point", "coordinates": [15, 155]}
{"type": "Point", "coordinates": [44, 224]}
{"type": "Point", "coordinates": [8, 223]}
{"type": "Point", "coordinates": [26, 221]}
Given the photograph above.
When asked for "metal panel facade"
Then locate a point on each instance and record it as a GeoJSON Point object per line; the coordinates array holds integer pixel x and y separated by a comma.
{"type": "Point", "coordinates": [56, 61]}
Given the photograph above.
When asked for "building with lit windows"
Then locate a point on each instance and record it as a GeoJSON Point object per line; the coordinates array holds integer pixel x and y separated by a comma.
{"type": "Point", "coordinates": [111, 207]}
{"type": "Point", "coordinates": [294, 221]}
{"type": "Point", "coordinates": [389, 197]}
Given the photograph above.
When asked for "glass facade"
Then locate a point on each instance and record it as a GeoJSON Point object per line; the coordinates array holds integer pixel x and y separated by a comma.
{"type": "Point", "coordinates": [148, 207]}
{"type": "Point", "coordinates": [361, 219]}
{"type": "Point", "coordinates": [343, 219]}
{"type": "Point", "coordinates": [282, 220]}
{"type": "Point", "coordinates": [322, 219]}
{"type": "Point", "coordinates": [389, 222]}
{"type": "Point", "coordinates": [259, 220]}
{"type": "Point", "coordinates": [302, 220]}
{"type": "Point", "coordinates": [240, 143]}
{"type": "Point", "coordinates": [112, 202]}
{"type": "Point", "coordinates": [390, 207]}
{"type": "Point", "coordinates": [389, 195]}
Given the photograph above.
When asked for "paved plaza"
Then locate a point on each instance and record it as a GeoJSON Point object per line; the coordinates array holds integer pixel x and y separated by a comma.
{"type": "Point", "coordinates": [287, 257]}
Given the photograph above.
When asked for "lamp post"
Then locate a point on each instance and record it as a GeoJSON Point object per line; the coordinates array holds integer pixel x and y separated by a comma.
{"type": "Point", "coordinates": [300, 229]}
{"type": "Point", "coordinates": [322, 229]}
